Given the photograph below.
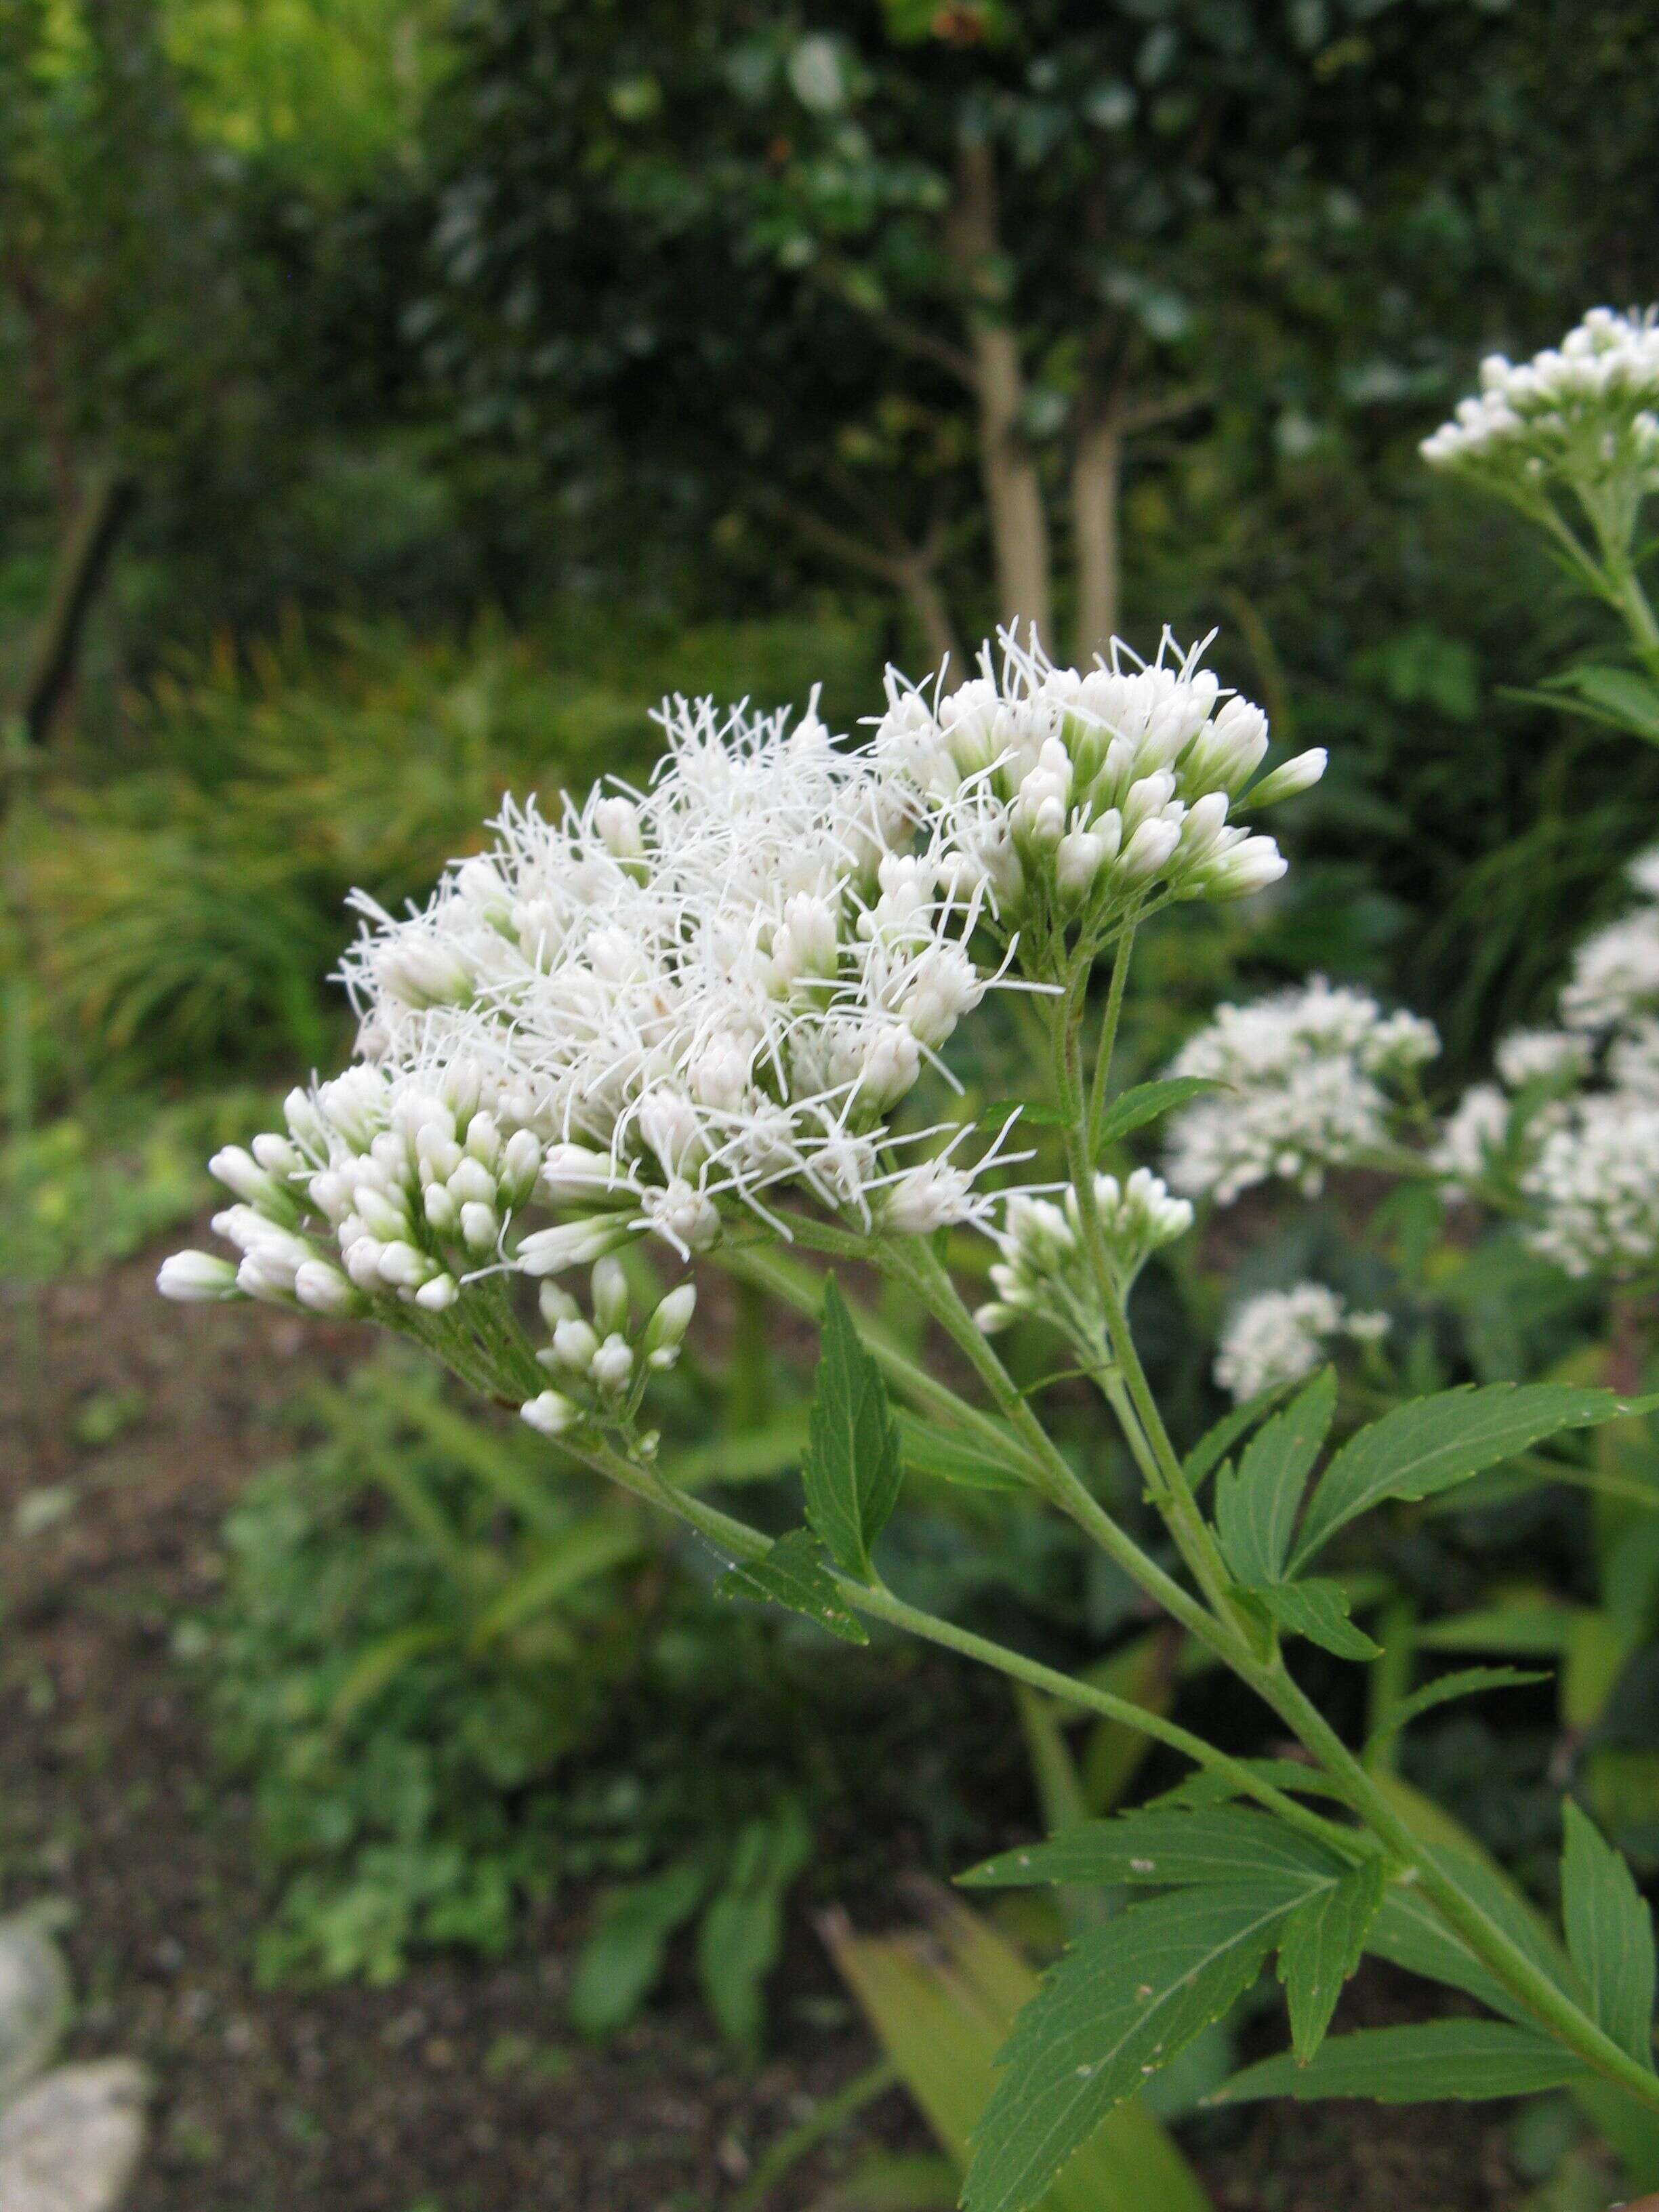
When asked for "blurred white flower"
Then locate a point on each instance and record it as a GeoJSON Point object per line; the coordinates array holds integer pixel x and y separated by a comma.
{"type": "Point", "coordinates": [1306, 1077]}
{"type": "Point", "coordinates": [1278, 1336]}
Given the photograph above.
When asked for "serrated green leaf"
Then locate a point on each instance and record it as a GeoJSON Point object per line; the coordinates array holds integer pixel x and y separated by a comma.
{"type": "Point", "coordinates": [1438, 2058]}
{"type": "Point", "coordinates": [1619, 695]}
{"type": "Point", "coordinates": [1121, 2003]}
{"type": "Point", "coordinates": [1323, 1942]}
{"type": "Point", "coordinates": [853, 1468]}
{"type": "Point", "coordinates": [1434, 1443]}
{"type": "Point", "coordinates": [1541, 1629]}
{"type": "Point", "coordinates": [1134, 1109]}
{"type": "Point", "coordinates": [942, 2010]}
{"type": "Point", "coordinates": [1409, 1933]}
{"type": "Point", "coordinates": [1255, 1509]}
{"type": "Point", "coordinates": [929, 1447]}
{"type": "Point", "coordinates": [793, 1574]}
{"type": "Point", "coordinates": [1216, 1443]}
{"type": "Point", "coordinates": [1213, 1785]}
{"type": "Point", "coordinates": [1462, 1682]}
{"type": "Point", "coordinates": [1610, 1931]}
{"type": "Point", "coordinates": [1223, 1843]}
{"type": "Point", "coordinates": [1318, 1609]}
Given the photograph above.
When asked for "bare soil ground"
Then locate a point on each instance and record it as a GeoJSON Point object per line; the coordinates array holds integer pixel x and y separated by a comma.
{"type": "Point", "coordinates": [457, 2090]}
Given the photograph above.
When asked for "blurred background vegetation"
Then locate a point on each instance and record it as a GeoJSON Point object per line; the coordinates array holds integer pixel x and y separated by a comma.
{"type": "Point", "coordinates": [398, 396]}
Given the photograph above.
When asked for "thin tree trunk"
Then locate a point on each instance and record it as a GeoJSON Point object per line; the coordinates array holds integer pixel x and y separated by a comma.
{"type": "Point", "coordinates": [1013, 494]}
{"type": "Point", "coordinates": [82, 566]}
{"type": "Point", "coordinates": [1097, 482]}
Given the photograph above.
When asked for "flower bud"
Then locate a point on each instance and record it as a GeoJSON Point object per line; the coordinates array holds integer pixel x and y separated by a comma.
{"type": "Point", "coordinates": [242, 1174]}
{"type": "Point", "coordinates": [571, 1174]}
{"type": "Point", "coordinates": [1289, 777]}
{"type": "Point", "coordinates": [322, 1289]}
{"type": "Point", "coordinates": [610, 1294]}
{"type": "Point", "coordinates": [438, 1206]}
{"type": "Point", "coordinates": [422, 974]}
{"type": "Point", "coordinates": [403, 1266]}
{"type": "Point", "coordinates": [481, 1226]}
{"type": "Point", "coordinates": [276, 1155]}
{"type": "Point", "coordinates": [1248, 868]}
{"type": "Point", "coordinates": [520, 1163]}
{"type": "Point", "coordinates": [438, 1295]}
{"type": "Point", "coordinates": [472, 1184]}
{"type": "Point", "coordinates": [574, 1343]}
{"type": "Point", "coordinates": [665, 1330]}
{"type": "Point", "coordinates": [556, 1304]}
{"type": "Point", "coordinates": [572, 1244]}
{"type": "Point", "coordinates": [381, 1216]}
{"type": "Point", "coordinates": [613, 1364]}
{"type": "Point", "coordinates": [551, 1413]}
{"type": "Point", "coordinates": [196, 1278]}
{"type": "Point", "coordinates": [1149, 851]}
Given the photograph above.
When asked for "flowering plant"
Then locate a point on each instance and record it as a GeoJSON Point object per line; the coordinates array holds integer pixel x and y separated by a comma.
{"type": "Point", "coordinates": [698, 1018]}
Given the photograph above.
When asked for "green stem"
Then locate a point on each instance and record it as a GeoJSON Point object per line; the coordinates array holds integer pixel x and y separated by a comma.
{"type": "Point", "coordinates": [737, 1540]}
{"type": "Point", "coordinates": [1493, 1944]}
{"type": "Point", "coordinates": [1107, 1043]}
{"type": "Point", "coordinates": [1187, 1524]}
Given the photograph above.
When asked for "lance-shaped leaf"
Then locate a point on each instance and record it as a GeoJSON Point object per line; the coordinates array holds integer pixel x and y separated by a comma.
{"type": "Point", "coordinates": [1134, 1109]}
{"type": "Point", "coordinates": [1408, 1932]}
{"type": "Point", "coordinates": [1217, 1843]}
{"type": "Point", "coordinates": [854, 1468]}
{"type": "Point", "coordinates": [1214, 1446]}
{"type": "Point", "coordinates": [1323, 1942]}
{"type": "Point", "coordinates": [1120, 2004]}
{"type": "Point", "coordinates": [1609, 1932]}
{"type": "Point", "coordinates": [1434, 1443]}
{"type": "Point", "coordinates": [1255, 1509]}
{"type": "Point", "coordinates": [1318, 1609]}
{"type": "Point", "coordinates": [1462, 1682]}
{"type": "Point", "coordinates": [1476, 2059]}
{"type": "Point", "coordinates": [929, 1447]}
{"type": "Point", "coordinates": [793, 1574]}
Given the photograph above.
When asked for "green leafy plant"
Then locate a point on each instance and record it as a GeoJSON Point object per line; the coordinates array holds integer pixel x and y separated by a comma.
{"type": "Point", "coordinates": [710, 1015]}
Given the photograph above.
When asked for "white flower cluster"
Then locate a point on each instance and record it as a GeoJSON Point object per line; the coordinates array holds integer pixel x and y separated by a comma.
{"type": "Point", "coordinates": [709, 995]}
{"type": "Point", "coordinates": [1042, 1270]}
{"type": "Point", "coordinates": [1615, 971]}
{"type": "Point", "coordinates": [1279, 1336]}
{"type": "Point", "coordinates": [1064, 797]}
{"type": "Point", "coordinates": [1572, 1127]}
{"type": "Point", "coordinates": [1583, 407]}
{"type": "Point", "coordinates": [602, 1363]}
{"type": "Point", "coordinates": [1596, 1185]}
{"type": "Point", "coordinates": [1305, 1080]}
{"type": "Point", "coordinates": [1492, 1125]}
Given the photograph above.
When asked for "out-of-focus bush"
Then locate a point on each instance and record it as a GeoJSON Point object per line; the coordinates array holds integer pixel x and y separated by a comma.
{"type": "Point", "coordinates": [185, 908]}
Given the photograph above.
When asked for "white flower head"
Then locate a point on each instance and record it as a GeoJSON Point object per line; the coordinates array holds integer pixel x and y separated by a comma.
{"type": "Point", "coordinates": [1595, 1187]}
{"type": "Point", "coordinates": [1306, 1080]}
{"type": "Point", "coordinates": [1278, 1336]}
{"type": "Point", "coordinates": [1067, 798]}
{"type": "Point", "coordinates": [1581, 411]}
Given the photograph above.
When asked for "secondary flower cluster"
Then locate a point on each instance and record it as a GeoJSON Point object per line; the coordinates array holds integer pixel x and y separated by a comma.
{"type": "Point", "coordinates": [1590, 1166]}
{"type": "Point", "coordinates": [602, 1363]}
{"type": "Point", "coordinates": [1306, 1081]}
{"type": "Point", "coordinates": [1066, 797]}
{"type": "Point", "coordinates": [1279, 1336]}
{"type": "Point", "coordinates": [1042, 1270]}
{"type": "Point", "coordinates": [1584, 410]}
